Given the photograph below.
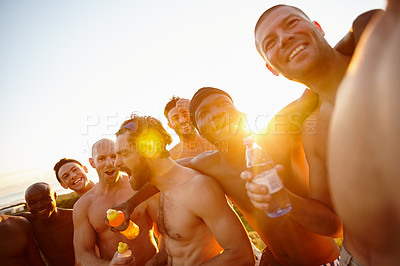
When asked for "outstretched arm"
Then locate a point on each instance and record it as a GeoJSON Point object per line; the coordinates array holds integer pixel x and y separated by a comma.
{"type": "Point", "coordinates": [127, 207]}
{"type": "Point", "coordinates": [313, 214]}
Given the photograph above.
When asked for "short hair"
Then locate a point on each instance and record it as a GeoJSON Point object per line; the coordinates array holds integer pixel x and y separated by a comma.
{"type": "Point", "coordinates": [269, 10]}
{"type": "Point", "coordinates": [171, 104]}
{"type": "Point", "coordinates": [198, 97]}
{"type": "Point", "coordinates": [137, 125]}
{"type": "Point", "coordinates": [60, 163]}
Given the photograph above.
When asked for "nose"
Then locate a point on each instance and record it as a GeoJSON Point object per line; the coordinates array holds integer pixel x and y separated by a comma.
{"type": "Point", "coordinates": [110, 161]}
{"type": "Point", "coordinates": [285, 38]}
{"type": "Point", "coordinates": [118, 161]}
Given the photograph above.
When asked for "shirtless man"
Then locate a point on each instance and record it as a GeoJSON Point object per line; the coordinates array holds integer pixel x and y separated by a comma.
{"type": "Point", "coordinates": [72, 174]}
{"type": "Point", "coordinates": [17, 246]}
{"type": "Point", "coordinates": [294, 46]}
{"type": "Point", "coordinates": [216, 118]}
{"type": "Point", "coordinates": [190, 143]}
{"type": "Point", "coordinates": [89, 212]}
{"type": "Point", "coordinates": [52, 227]}
{"type": "Point", "coordinates": [364, 152]}
{"type": "Point", "coordinates": [196, 222]}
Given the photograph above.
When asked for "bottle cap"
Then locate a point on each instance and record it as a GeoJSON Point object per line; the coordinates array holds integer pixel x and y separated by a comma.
{"type": "Point", "coordinates": [122, 247]}
{"type": "Point", "coordinates": [112, 214]}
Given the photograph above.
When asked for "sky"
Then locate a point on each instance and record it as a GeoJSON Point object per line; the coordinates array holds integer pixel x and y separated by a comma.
{"type": "Point", "coordinates": [72, 71]}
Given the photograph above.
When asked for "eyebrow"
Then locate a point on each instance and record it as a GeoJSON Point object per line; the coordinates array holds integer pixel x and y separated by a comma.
{"type": "Point", "coordinates": [282, 22]}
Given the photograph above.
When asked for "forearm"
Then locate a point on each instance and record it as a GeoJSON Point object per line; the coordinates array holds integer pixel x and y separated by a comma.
{"type": "Point", "coordinates": [315, 216]}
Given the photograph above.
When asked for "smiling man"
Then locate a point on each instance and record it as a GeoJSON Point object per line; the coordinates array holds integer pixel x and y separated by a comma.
{"type": "Point", "coordinates": [190, 143]}
{"type": "Point", "coordinates": [52, 227]}
{"type": "Point", "coordinates": [294, 46]}
{"type": "Point", "coordinates": [89, 212]}
{"type": "Point", "coordinates": [214, 115]}
{"type": "Point", "coordinates": [73, 175]}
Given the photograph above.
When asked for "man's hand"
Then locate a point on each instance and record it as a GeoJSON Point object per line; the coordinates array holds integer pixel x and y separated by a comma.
{"type": "Point", "coordinates": [258, 194]}
{"type": "Point", "coordinates": [127, 208]}
{"type": "Point", "coordinates": [122, 260]}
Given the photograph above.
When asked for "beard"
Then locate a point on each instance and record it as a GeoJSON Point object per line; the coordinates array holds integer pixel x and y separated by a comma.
{"type": "Point", "coordinates": [141, 174]}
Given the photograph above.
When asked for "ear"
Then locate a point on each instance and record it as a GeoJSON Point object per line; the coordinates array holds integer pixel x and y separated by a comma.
{"type": "Point", "coordinates": [319, 27]}
{"type": "Point", "coordinates": [85, 168]}
{"type": "Point", "coordinates": [55, 195]}
{"type": "Point", "coordinates": [273, 71]}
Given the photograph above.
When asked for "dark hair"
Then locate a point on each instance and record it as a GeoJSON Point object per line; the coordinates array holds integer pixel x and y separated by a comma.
{"type": "Point", "coordinates": [171, 104]}
{"type": "Point", "coordinates": [142, 125]}
{"type": "Point", "coordinates": [60, 163]}
{"type": "Point", "coordinates": [269, 10]}
{"type": "Point", "coordinates": [198, 97]}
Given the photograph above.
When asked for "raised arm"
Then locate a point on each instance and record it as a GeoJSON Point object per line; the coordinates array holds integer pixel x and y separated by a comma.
{"type": "Point", "coordinates": [127, 207]}
{"type": "Point", "coordinates": [223, 223]}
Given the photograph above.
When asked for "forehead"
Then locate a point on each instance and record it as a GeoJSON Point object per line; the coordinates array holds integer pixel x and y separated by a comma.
{"type": "Point", "coordinates": [67, 167]}
{"type": "Point", "coordinates": [211, 99]}
{"type": "Point", "coordinates": [122, 142]}
{"type": "Point", "coordinates": [274, 19]}
{"type": "Point", "coordinates": [37, 191]}
{"type": "Point", "coordinates": [172, 112]}
{"type": "Point", "coordinates": [104, 148]}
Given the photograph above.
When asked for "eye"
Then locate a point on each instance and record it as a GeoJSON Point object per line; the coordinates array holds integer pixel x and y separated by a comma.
{"type": "Point", "coordinates": [270, 43]}
{"type": "Point", "coordinates": [292, 23]}
{"type": "Point", "coordinates": [75, 170]}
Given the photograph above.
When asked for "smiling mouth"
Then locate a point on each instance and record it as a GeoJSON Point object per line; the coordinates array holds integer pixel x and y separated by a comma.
{"type": "Point", "coordinates": [297, 50]}
{"type": "Point", "coordinates": [78, 180]}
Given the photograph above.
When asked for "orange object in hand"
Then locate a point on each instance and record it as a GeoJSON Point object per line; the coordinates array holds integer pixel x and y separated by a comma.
{"type": "Point", "coordinates": [116, 218]}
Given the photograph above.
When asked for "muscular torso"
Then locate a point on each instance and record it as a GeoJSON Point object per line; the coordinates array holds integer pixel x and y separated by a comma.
{"type": "Point", "coordinates": [187, 238]}
{"type": "Point", "coordinates": [288, 241]}
{"type": "Point", "coordinates": [364, 150]}
{"type": "Point", "coordinates": [98, 203]}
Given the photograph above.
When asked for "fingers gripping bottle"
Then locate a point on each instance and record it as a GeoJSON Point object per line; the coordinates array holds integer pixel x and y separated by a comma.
{"type": "Point", "coordinates": [123, 250]}
{"type": "Point", "coordinates": [116, 218]}
{"type": "Point", "coordinates": [264, 173]}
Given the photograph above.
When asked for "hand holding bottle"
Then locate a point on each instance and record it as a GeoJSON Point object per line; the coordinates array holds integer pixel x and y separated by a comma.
{"type": "Point", "coordinates": [116, 219]}
{"type": "Point", "coordinates": [264, 186]}
{"type": "Point", "coordinates": [123, 256]}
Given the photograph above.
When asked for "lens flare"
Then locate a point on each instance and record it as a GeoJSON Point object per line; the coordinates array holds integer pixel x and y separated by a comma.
{"type": "Point", "coordinates": [150, 144]}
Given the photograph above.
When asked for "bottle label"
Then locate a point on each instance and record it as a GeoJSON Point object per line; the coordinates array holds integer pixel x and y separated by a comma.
{"type": "Point", "coordinates": [270, 179]}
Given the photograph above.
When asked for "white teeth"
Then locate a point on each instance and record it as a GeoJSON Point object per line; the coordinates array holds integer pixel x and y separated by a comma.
{"type": "Point", "coordinates": [296, 51]}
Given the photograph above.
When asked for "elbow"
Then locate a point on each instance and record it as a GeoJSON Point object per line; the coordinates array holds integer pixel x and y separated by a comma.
{"type": "Point", "coordinates": [336, 228]}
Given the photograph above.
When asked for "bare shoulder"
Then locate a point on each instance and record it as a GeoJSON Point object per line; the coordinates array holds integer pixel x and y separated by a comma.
{"type": "Point", "coordinates": [206, 160]}
{"type": "Point", "coordinates": [86, 200]}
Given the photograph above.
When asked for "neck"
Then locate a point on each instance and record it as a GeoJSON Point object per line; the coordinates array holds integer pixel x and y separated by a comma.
{"type": "Point", "coordinates": [327, 79]}
{"type": "Point", "coordinates": [87, 188]}
{"type": "Point", "coordinates": [233, 151]}
{"type": "Point", "coordinates": [164, 173]}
